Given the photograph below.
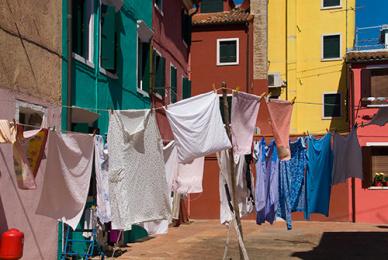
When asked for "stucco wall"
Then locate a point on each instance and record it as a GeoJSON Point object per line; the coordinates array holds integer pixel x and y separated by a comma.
{"type": "Point", "coordinates": [30, 44]}
{"type": "Point", "coordinates": [17, 207]}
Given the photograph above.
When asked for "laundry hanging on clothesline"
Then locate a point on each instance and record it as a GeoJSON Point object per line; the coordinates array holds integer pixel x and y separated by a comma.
{"type": "Point", "coordinates": [7, 132]}
{"type": "Point", "coordinates": [245, 108]}
{"type": "Point", "coordinates": [197, 127]}
{"type": "Point", "coordinates": [245, 204]}
{"type": "Point", "coordinates": [67, 177]}
{"type": "Point", "coordinates": [137, 188]}
{"type": "Point", "coordinates": [28, 152]}
{"type": "Point", "coordinates": [101, 161]}
{"type": "Point", "coordinates": [380, 118]}
{"type": "Point", "coordinates": [347, 157]}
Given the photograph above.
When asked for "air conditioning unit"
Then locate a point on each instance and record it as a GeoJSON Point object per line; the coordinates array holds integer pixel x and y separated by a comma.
{"type": "Point", "coordinates": [274, 80]}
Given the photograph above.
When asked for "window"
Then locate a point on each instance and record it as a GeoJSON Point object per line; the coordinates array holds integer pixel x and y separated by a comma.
{"type": "Point", "coordinates": [186, 88]}
{"type": "Point", "coordinates": [31, 115]}
{"type": "Point", "coordinates": [83, 33]}
{"type": "Point", "coordinates": [229, 98]}
{"type": "Point", "coordinates": [159, 4]}
{"type": "Point", "coordinates": [331, 3]}
{"type": "Point", "coordinates": [173, 85]}
{"type": "Point", "coordinates": [108, 38]}
{"type": "Point", "coordinates": [143, 66]}
{"type": "Point", "coordinates": [160, 72]}
{"type": "Point", "coordinates": [331, 47]}
{"type": "Point", "coordinates": [228, 51]}
{"type": "Point", "coordinates": [331, 105]}
{"type": "Point", "coordinates": [186, 27]}
{"type": "Point", "coordinates": [375, 160]}
{"type": "Point", "coordinates": [212, 6]}
{"type": "Point", "coordinates": [374, 82]}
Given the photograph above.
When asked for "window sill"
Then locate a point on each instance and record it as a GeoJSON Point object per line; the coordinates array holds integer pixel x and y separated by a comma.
{"type": "Point", "coordinates": [108, 74]}
{"type": "Point", "coordinates": [142, 92]}
{"type": "Point", "coordinates": [228, 64]}
{"type": "Point", "coordinates": [83, 60]}
{"type": "Point", "coordinates": [331, 7]}
{"type": "Point", "coordinates": [159, 9]}
{"type": "Point", "coordinates": [331, 59]}
{"type": "Point", "coordinates": [378, 188]}
{"type": "Point", "coordinates": [330, 117]}
{"type": "Point", "coordinates": [377, 105]}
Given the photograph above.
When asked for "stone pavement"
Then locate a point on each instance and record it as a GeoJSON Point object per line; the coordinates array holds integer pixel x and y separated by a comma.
{"type": "Point", "coordinates": [308, 240]}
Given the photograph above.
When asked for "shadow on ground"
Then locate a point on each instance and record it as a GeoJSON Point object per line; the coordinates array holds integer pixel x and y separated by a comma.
{"type": "Point", "coordinates": [349, 245]}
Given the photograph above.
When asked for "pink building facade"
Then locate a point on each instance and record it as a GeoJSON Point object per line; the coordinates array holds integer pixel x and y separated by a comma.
{"type": "Point", "coordinates": [368, 92]}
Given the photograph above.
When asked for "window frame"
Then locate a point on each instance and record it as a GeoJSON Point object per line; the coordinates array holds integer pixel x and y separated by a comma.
{"type": "Point", "coordinates": [139, 88]}
{"type": "Point", "coordinates": [370, 173]}
{"type": "Point", "coordinates": [89, 61]}
{"type": "Point", "coordinates": [159, 8]}
{"type": "Point", "coordinates": [323, 105]}
{"type": "Point", "coordinates": [323, 45]}
{"type": "Point", "coordinates": [237, 62]}
{"type": "Point", "coordinates": [35, 107]}
{"type": "Point", "coordinates": [155, 93]}
{"type": "Point", "coordinates": [176, 82]}
{"type": "Point", "coordinates": [102, 69]}
{"type": "Point", "coordinates": [330, 7]}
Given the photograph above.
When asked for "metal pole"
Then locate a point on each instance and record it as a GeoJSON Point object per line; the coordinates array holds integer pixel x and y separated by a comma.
{"type": "Point", "coordinates": [231, 161]}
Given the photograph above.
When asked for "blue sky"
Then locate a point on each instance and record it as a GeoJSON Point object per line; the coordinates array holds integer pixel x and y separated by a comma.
{"type": "Point", "coordinates": [371, 13]}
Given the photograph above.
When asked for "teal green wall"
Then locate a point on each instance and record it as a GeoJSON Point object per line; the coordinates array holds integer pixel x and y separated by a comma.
{"type": "Point", "coordinates": [93, 89]}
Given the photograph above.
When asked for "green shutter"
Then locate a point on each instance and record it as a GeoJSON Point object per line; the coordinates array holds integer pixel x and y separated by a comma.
{"type": "Point", "coordinates": [228, 51]}
{"type": "Point", "coordinates": [331, 46]}
{"type": "Point", "coordinates": [173, 80]}
{"type": "Point", "coordinates": [145, 66]}
{"type": "Point", "coordinates": [186, 27]}
{"type": "Point", "coordinates": [108, 46]}
{"type": "Point", "coordinates": [212, 6]}
{"type": "Point", "coordinates": [332, 105]}
{"type": "Point", "coordinates": [186, 88]}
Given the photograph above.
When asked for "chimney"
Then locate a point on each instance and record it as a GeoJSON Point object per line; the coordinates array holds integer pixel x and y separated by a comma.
{"type": "Point", "coordinates": [384, 35]}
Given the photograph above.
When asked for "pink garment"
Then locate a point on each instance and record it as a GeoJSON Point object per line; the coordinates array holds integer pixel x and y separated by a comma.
{"type": "Point", "coordinates": [190, 175]}
{"type": "Point", "coordinates": [67, 177]}
{"type": "Point", "coordinates": [245, 108]}
{"type": "Point", "coordinates": [275, 119]}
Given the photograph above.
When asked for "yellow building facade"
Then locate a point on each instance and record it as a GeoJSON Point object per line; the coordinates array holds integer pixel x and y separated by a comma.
{"type": "Point", "coordinates": [307, 43]}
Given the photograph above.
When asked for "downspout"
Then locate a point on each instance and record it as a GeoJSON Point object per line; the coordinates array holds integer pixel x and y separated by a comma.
{"type": "Point", "coordinates": [247, 57]}
{"type": "Point", "coordinates": [69, 63]}
{"type": "Point", "coordinates": [286, 51]}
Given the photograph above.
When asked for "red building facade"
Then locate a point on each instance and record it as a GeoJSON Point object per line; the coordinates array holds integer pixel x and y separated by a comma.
{"type": "Point", "coordinates": [369, 92]}
{"type": "Point", "coordinates": [221, 51]}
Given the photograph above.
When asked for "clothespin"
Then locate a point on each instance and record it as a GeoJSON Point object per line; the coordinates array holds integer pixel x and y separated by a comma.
{"type": "Point", "coordinates": [308, 132]}
{"type": "Point", "coordinates": [53, 128]}
{"type": "Point", "coordinates": [293, 100]}
{"type": "Point", "coordinates": [327, 130]}
{"type": "Point", "coordinates": [111, 111]}
{"type": "Point", "coordinates": [237, 89]}
{"type": "Point", "coordinates": [14, 122]}
{"type": "Point", "coordinates": [214, 88]}
{"type": "Point", "coordinates": [94, 132]}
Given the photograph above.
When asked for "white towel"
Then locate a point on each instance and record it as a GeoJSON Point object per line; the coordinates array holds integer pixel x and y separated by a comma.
{"type": "Point", "coordinates": [190, 176]}
{"type": "Point", "coordinates": [197, 127]}
{"type": "Point", "coordinates": [67, 177]}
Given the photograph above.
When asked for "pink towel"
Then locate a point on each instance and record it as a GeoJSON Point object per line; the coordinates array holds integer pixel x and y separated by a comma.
{"type": "Point", "coordinates": [245, 108]}
{"type": "Point", "coordinates": [275, 119]}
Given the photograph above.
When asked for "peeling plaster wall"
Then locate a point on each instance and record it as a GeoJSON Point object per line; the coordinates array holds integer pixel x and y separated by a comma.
{"type": "Point", "coordinates": [30, 44]}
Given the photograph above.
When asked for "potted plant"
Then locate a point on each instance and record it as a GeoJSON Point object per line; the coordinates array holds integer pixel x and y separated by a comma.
{"type": "Point", "coordinates": [385, 181]}
{"type": "Point", "coordinates": [378, 180]}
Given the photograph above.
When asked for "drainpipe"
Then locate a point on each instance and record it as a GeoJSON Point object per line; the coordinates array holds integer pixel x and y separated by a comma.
{"type": "Point", "coordinates": [286, 51]}
{"type": "Point", "coordinates": [69, 63]}
{"type": "Point", "coordinates": [247, 58]}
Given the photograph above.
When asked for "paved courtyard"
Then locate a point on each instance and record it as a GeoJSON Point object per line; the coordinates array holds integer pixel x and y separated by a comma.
{"type": "Point", "coordinates": [308, 240]}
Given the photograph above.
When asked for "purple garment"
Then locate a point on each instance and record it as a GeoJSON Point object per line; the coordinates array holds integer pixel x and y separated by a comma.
{"type": "Point", "coordinates": [245, 108]}
{"type": "Point", "coordinates": [267, 182]}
